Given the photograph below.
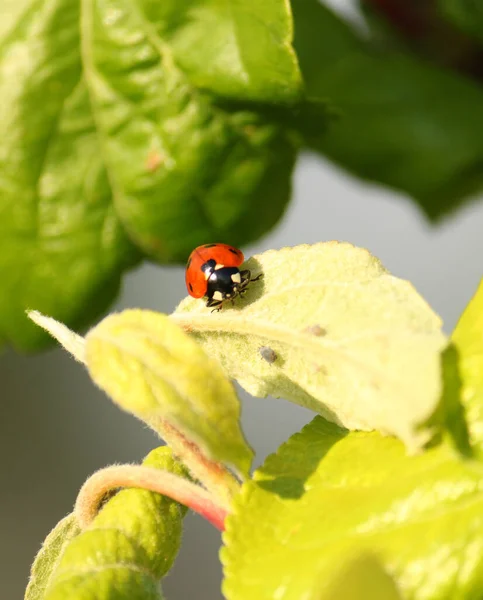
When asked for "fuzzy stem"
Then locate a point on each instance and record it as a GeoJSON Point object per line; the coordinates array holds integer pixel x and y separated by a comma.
{"type": "Point", "coordinates": [154, 480]}
{"type": "Point", "coordinates": [217, 479]}
{"type": "Point", "coordinates": [213, 475]}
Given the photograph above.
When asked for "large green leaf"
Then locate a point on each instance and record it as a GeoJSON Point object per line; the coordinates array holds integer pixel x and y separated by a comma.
{"type": "Point", "coordinates": [328, 495]}
{"type": "Point", "coordinates": [468, 341]}
{"type": "Point", "coordinates": [183, 171]}
{"type": "Point", "coordinates": [175, 160]}
{"type": "Point", "coordinates": [240, 49]}
{"type": "Point", "coordinates": [403, 123]}
{"type": "Point", "coordinates": [352, 342]}
{"type": "Point", "coordinates": [62, 246]}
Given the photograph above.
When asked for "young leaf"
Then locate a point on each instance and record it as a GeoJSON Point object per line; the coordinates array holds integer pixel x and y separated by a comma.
{"type": "Point", "coordinates": [402, 123]}
{"type": "Point", "coordinates": [48, 557]}
{"type": "Point", "coordinates": [155, 371]}
{"type": "Point", "coordinates": [55, 201]}
{"type": "Point", "coordinates": [248, 53]}
{"type": "Point", "coordinates": [468, 341]}
{"type": "Point", "coordinates": [183, 170]}
{"type": "Point", "coordinates": [353, 343]}
{"type": "Point", "coordinates": [129, 547]}
{"type": "Point", "coordinates": [329, 494]}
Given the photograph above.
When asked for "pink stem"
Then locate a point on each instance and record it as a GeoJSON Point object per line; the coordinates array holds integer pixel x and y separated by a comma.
{"type": "Point", "coordinates": [155, 480]}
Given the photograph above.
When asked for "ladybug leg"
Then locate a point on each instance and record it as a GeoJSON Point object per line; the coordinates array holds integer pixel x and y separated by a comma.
{"type": "Point", "coordinates": [245, 280]}
{"type": "Point", "coordinates": [215, 304]}
{"type": "Point", "coordinates": [246, 277]}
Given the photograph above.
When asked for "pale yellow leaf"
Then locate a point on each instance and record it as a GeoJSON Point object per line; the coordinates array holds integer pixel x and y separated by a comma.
{"type": "Point", "coordinates": [352, 342]}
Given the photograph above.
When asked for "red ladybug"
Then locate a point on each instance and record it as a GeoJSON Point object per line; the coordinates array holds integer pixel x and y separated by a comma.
{"type": "Point", "coordinates": [212, 272]}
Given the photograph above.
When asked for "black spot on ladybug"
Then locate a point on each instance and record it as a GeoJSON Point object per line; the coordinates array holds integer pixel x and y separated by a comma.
{"type": "Point", "coordinates": [233, 251]}
{"type": "Point", "coordinates": [191, 288]}
{"type": "Point", "coordinates": [210, 245]}
{"type": "Point", "coordinates": [209, 265]}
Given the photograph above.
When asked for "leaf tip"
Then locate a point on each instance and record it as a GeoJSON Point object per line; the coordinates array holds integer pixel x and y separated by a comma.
{"type": "Point", "coordinates": [71, 341]}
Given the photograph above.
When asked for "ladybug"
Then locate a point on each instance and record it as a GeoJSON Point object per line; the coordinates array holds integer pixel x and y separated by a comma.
{"type": "Point", "coordinates": [212, 272]}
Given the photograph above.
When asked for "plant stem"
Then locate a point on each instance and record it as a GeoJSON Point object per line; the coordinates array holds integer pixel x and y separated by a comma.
{"type": "Point", "coordinates": [155, 480]}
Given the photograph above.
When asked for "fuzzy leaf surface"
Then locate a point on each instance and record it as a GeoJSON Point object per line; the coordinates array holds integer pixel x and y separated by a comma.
{"type": "Point", "coordinates": [329, 494]}
{"type": "Point", "coordinates": [63, 249]}
{"type": "Point", "coordinates": [248, 53]}
{"type": "Point", "coordinates": [127, 549]}
{"type": "Point", "coordinates": [174, 158]}
{"type": "Point", "coordinates": [49, 556]}
{"type": "Point", "coordinates": [153, 370]}
{"type": "Point", "coordinates": [468, 340]}
{"type": "Point", "coordinates": [353, 342]}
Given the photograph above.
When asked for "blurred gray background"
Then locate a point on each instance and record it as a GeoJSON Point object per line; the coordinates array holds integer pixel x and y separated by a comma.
{"type": "Point", "coordinates": [56, 428]}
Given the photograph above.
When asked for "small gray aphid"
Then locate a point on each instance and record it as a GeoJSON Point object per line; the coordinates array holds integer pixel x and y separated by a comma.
{"type": "Point", "coordinates": [268, 354]}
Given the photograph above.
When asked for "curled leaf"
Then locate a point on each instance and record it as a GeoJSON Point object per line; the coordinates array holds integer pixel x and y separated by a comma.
{"type": "Point", "coordinates": [49, 556]}
{"type": "Point", "coordinates": [153, 370]}
{"type": "Point", "coordinates": [353, 342]}
{"type": "Point", "coordinates": [128, 548]}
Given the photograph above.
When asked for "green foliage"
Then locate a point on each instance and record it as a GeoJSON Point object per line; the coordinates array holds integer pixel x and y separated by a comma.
{"type": "Point", "coordinates": [55, 202]}
{"type": "Point", "coordinates": [49, 555]}
{"type": "Point", "coordinates": [402, 122]}
{"type": "Point", "coordinates": [246, 41]}
{"type": "Point", "coordinates": [157, 164]}
{"type": "Point", "coordinates": [468, 342]}
{"type": "Point", "coordinates": [129, 131]}
{"type": "Point", "coordinates": [328, 494]}
{"type": "Point", "coordinates": [342, 328]}
{"type": "Point", "coordinates": [360, 579]}
{"type": "Point", "coordinates": [128, 547]}
{"type": "Point", "coordinates": [155, 371]}
{"type": "Point", "coordinates": [465, 14]}
{"type": "Point", "coordinates": [203, 157]}
{"type": "Point", "coordinates": [335, 513]}
{"type": "Point", "coordinates": [330, 497]}
{"type": "Point", "coordinates": [139, 128]}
